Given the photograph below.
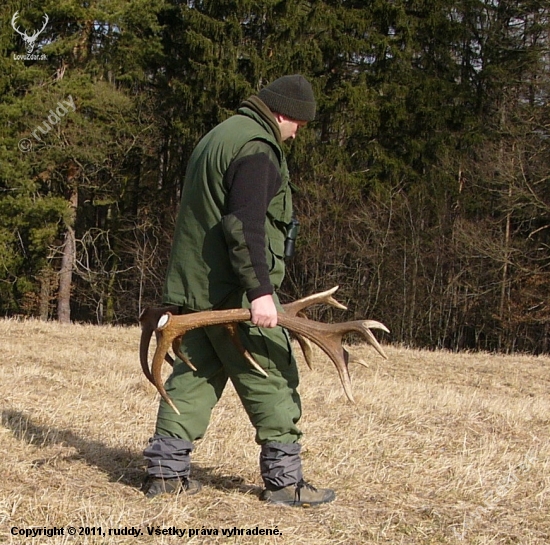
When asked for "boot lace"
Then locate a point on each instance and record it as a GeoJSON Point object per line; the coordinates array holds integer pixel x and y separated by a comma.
{"type": "Point", "coordinates": [302, 484]}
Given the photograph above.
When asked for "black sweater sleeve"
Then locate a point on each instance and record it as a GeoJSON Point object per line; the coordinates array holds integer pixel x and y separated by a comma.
{"type": "Point", "coordinates": [252, 181]}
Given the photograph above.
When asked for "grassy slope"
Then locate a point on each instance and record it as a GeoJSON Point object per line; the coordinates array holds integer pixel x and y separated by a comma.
{"type": "Point", "coordinates": [440, 447]}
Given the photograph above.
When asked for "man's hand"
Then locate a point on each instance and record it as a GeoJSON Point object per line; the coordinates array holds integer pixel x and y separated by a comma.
{"type": "Point", "coordinates": [264, 311]}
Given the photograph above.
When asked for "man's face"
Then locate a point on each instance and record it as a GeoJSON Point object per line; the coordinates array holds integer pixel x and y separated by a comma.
{"type": "Point", "coordinates": [288, 126]}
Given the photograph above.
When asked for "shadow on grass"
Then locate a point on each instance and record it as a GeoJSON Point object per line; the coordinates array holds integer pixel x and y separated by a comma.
{"type": "Point", "coordinates": [121, 465]}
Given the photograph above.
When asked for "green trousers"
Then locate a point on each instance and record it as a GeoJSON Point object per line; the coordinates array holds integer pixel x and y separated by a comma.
{"type": "Point", "coordinates": [272, 403]}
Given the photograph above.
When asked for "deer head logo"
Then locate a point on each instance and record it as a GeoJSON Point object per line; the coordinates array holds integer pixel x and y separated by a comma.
{"type": "Point", "coordinates": [30, 41]}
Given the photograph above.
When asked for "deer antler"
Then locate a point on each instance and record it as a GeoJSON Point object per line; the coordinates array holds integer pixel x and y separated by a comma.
{"type": "Point", "coordinates": [29, 40]}
{"type": "Point", "coordinates": [46, 19]}
{"type": "Point", "coordinates": [327, 336]}
{"type": "Point", "coordinates": [24, 34]}
{"type": "Point", "coordinates": [13, 19]}
{"type": "Point", "coordinates": [149, 319]}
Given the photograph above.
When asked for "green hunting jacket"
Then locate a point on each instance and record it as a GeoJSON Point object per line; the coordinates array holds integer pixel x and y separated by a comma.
{"type": "Point", "coordinates": [235, 208]}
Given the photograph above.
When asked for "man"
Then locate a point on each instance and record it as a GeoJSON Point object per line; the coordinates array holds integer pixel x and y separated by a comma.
{"type": "Point", "coordinates": [228, 252]}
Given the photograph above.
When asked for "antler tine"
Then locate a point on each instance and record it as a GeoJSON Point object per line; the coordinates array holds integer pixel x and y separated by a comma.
{"type": "Point", "coordinates": [370, 338]}
{"type": "Point", "coordinates": [164, 341]}
{"type": "Point", "coordinates": [233, 332]}
{"type": "Point", "coordinates": [329, 338]}
{"type": "Point", "coordinates": [13, 19]}
{"type": "Point", "coordinates": [176, 347]}
{"type": "Point", "coordinates": [46, 19]}
{"type": "Point", "coordinates": [295, 307]}
{"type": "Point", "coordinates": [149, 319]}
{"type": "Point", "coordinates": [305, 344]}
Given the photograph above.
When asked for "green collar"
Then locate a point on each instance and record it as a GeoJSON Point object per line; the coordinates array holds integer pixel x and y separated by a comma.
{"type": "Point", "coordinates": [254, 104]}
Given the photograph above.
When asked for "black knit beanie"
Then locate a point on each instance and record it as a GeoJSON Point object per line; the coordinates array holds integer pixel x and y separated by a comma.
{"type": "Point", "coordinates": [291, 96]}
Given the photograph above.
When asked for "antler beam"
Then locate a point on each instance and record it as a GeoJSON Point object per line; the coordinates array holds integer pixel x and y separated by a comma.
{"type": "Point", "coordinates": [169, 330]}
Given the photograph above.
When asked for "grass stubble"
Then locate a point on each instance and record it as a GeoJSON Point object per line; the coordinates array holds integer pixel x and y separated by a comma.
{"type": "Point", "coordinates": [439, 448]}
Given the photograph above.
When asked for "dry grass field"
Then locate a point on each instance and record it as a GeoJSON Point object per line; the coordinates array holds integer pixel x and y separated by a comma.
{"type": "Point", "coordinates": [439, 448]}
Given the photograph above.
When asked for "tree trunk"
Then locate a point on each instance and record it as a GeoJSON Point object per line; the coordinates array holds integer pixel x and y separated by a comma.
{"type": "Point", "coordinates": [67, 263]}
{"type": "Point", "coordinates": [45, 293]}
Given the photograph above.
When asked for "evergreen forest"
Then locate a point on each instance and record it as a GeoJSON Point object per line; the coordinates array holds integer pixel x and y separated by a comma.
{"type": "Point", "coordinates": [422, 187]}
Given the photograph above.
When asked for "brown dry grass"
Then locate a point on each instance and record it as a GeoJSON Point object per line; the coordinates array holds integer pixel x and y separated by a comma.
{"type": "Point", "coordinates": [440, 447]}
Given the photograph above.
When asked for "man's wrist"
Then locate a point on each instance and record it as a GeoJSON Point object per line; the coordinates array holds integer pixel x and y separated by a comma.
{"type": "Point", "coordinates": [258, 292]}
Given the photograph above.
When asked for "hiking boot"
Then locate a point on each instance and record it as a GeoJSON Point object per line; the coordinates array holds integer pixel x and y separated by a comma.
{"type": "Point", "coordinates": [301, 494]}
{"type": "Point", "coordinates": [153, 486]}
